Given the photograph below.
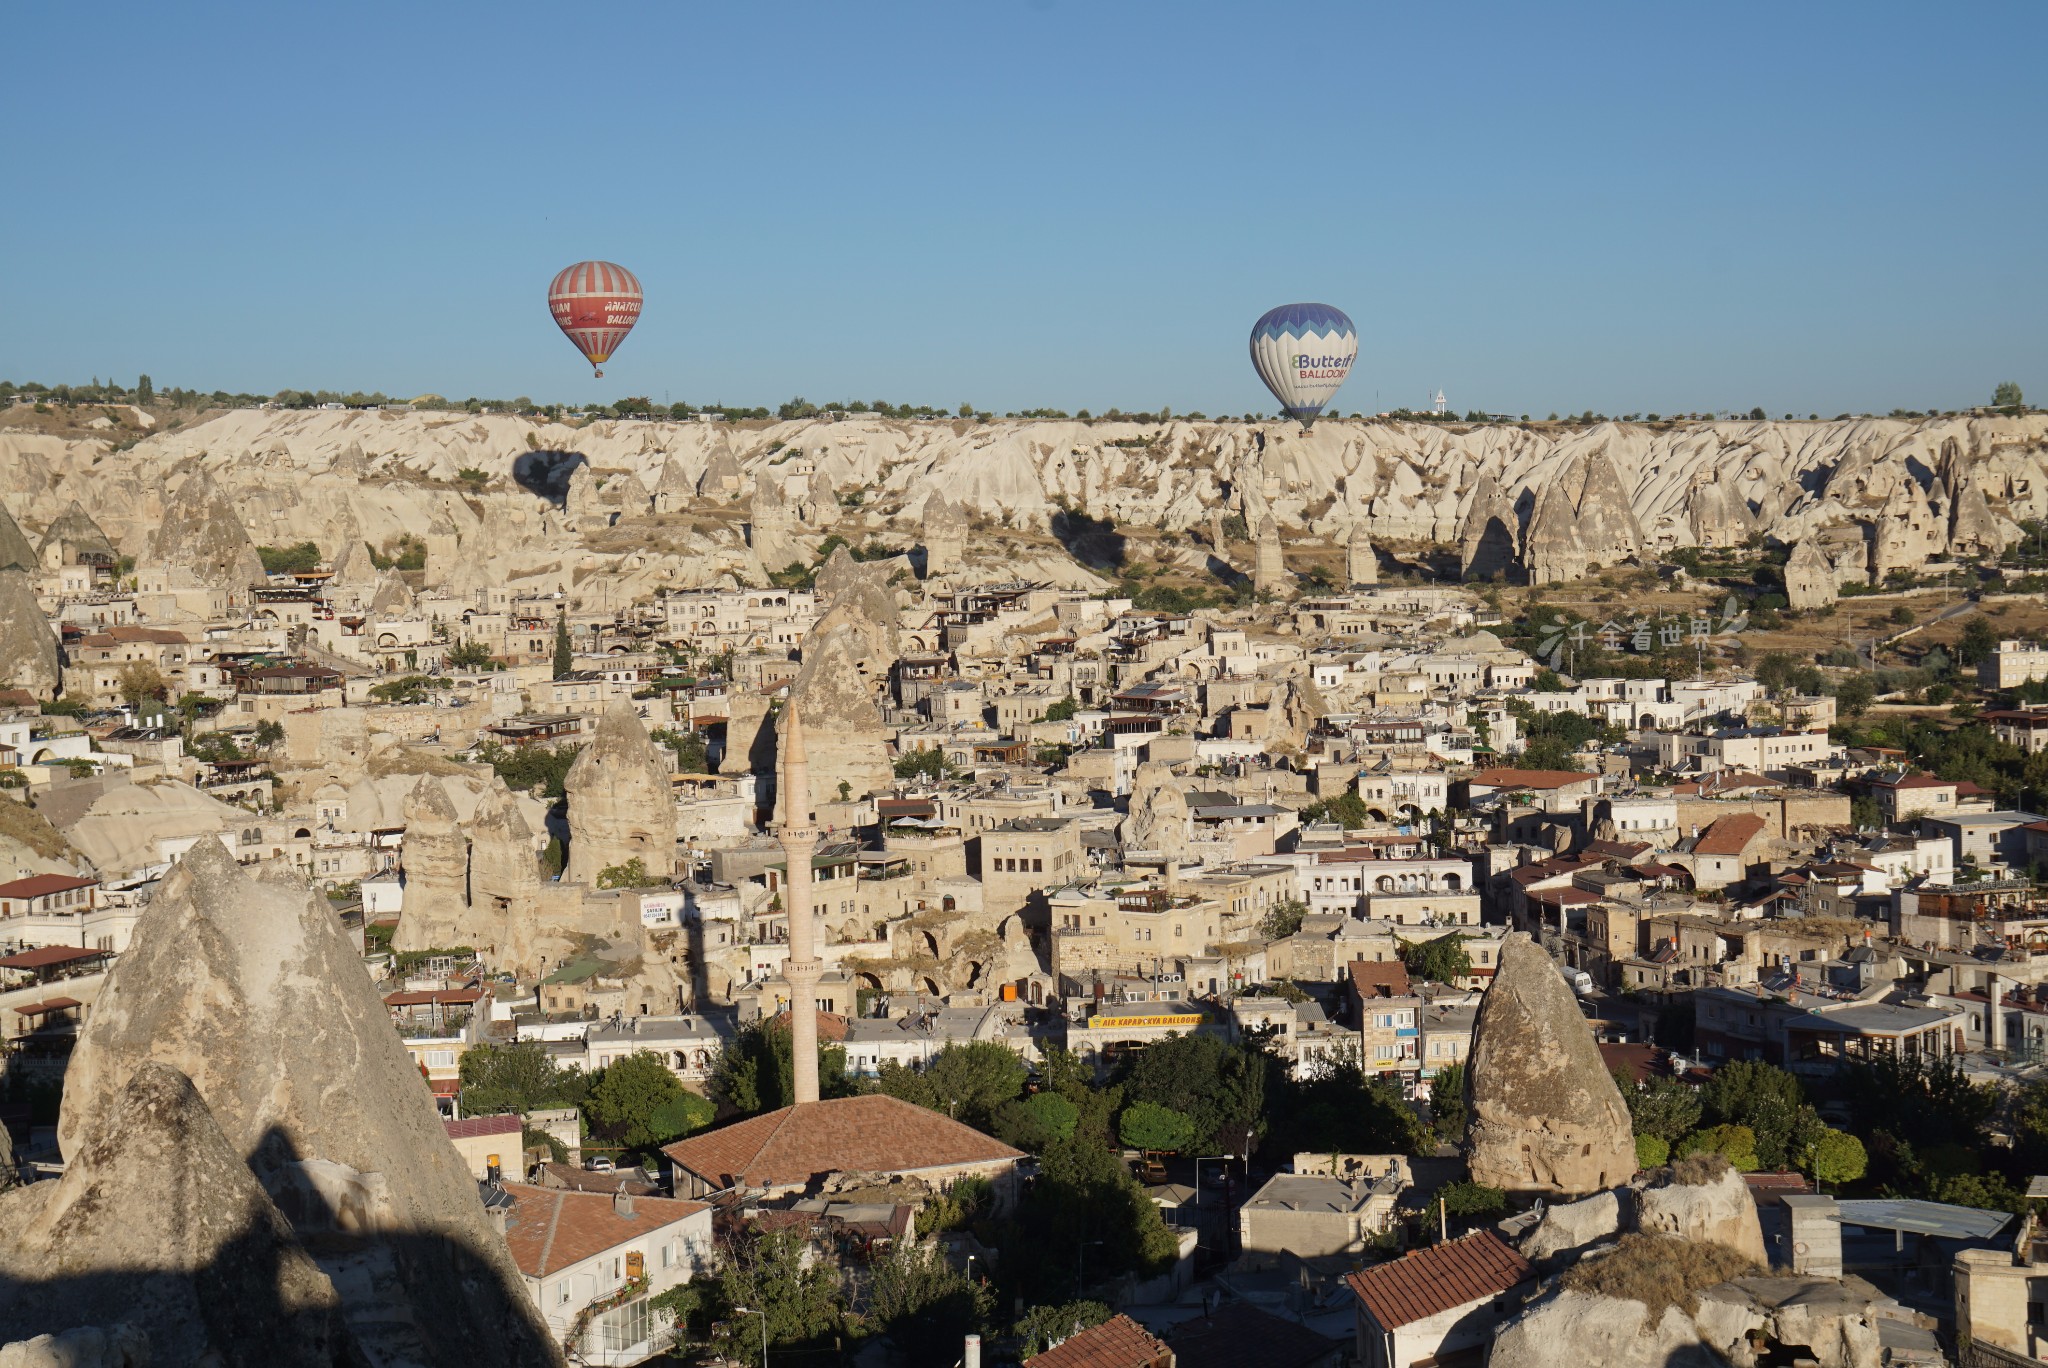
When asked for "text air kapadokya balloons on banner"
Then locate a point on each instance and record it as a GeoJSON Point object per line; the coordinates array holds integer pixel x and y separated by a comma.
{"type": "Point", "coordinates": [595, 304]}
{"type": "Point", "coordinates": [1303, 352]}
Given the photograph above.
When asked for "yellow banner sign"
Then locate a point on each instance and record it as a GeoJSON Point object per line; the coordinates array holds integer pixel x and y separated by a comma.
{"type": "Point", "coordinates": [1122, 1022]}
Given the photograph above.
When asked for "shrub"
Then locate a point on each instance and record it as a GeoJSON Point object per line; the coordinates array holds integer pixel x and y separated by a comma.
{"type": "Point", "coordinates": [1651, 1152]}
{"type": "Point", "coordinates": [1700, 1169]}
{"type": "Point", "coordinates": [1735, 1144]}
{"type": "Point", "coordinates": [1660, 1271]}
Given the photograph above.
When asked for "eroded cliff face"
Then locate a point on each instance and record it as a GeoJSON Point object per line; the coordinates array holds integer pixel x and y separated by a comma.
{"type": "Point", "coordinates": [676, 493]}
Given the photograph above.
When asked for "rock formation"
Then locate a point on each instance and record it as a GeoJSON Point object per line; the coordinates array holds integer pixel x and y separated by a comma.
{"type": "Point", "coordinates": [504, 882]}
{"type": "Point", "coordinates": [1545, 1115]}
{"type": "Point", "coordinates": [200, 529]}
{"type": "Point", "coordinates": [1700, 1200]}
{"type": "Point", "coordinates": [1269, 570]}
{"type": "Point", "coordinates": [28, 648]}
{"type": "Point", "coordinates": [158, 1235]}
{"type": "Point", "coordinates": [1553, 551]}
{"type": "Point", "coordinates": [1746, 1320]}
{"type": "Point", "coordinates": [1158, 818]}
{"type": "Point", "coordinates": [1490, 541]}
{"type": "Point", "coordinates": [436, 871]}
{"type": "Point", "coordinates": [771, 525]}
{"type": "Point", "coordinates": [945, 535]}
{"type": "Point", "coordinates": [1810, 577]}
{"type": "Point", "coordinates": [72, 539]}
{"type": "Point", "coordinates": [722, 479]}
{"type": "Point", "coordinates": [620, 805]}
{"type": "Point", "coordinates": [1606, 524]}
{"type": "Point", "coordinates": [246, 986]}
{"type": "Point", "coordinates": [843, 727]}
{"type": "Point", "coordinates": [1361, 566]}
{"type": "Point", "coordinates": [15, 552]}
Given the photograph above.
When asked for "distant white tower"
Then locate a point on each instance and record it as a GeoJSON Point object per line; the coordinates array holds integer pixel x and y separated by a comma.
{"type": "Point", "coordinates": [1442, 403]}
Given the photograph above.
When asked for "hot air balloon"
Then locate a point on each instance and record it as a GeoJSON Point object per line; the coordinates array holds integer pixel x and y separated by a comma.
{"type": "Point", "coordinates": [595, 304]}
{"type": "Point", "coordinates": [1303, 352]}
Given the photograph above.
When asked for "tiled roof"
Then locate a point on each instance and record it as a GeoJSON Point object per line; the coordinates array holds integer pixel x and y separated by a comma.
{"type": "Point", "coordinates": [1418, 1285]}
{"type": "Point", "coordinates": [475, 1127]}
{"type": "Point", "coordinates": [1914, 781]}
{"type": "Point", "coordinates": [550, 1230]}
{"type": "Point", "coordinates": [1728, 835]}
{"type": "Point", "coordinates": [43, 956]}
{"type": "Point", "coordinates": [1379, 978]}
{"type": "Point", "coordinates": [1118, 1342]}
{"type": "Point", "coordinates": [1240, 1335]}
{"type": "Point", "coordinates": [42, 885]}
{"type": "Point", "coordinates": [1508, 777]}
{"type": "Point", "coordinates": [793, 1145]}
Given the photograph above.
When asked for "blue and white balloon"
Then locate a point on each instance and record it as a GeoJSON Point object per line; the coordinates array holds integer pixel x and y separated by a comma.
{"type": "Point", "coordinates": [1303, 352]}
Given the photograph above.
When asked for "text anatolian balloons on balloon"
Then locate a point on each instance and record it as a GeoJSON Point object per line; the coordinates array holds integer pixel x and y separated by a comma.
{"type": "Point", "coordinates": [595, 304]}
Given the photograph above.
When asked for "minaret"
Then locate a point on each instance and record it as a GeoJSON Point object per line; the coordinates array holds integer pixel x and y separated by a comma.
{"type": "Point", "coordinates": [799, 839]}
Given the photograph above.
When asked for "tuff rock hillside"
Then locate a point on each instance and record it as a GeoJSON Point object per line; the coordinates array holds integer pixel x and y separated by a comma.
{"type": "Point", "coordinates": [663, 503]}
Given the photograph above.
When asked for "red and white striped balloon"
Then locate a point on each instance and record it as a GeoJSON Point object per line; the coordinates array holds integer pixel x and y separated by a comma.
{"type": "Point", "coordinates": [595, 304]}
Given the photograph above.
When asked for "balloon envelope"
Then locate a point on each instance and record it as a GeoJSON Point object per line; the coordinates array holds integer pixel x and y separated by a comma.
{"type": "Point", "coordinates": [595, 304]}
{"type": "Point", "coordinates": [1303, 352]}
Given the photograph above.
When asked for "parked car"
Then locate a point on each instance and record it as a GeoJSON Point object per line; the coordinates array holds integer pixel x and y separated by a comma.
{"type": "Point", "coordinates": [599, 1163]}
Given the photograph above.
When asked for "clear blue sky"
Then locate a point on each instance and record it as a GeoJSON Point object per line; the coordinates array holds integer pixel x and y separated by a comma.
{"type": "Point", "coordinates": [1625, 206]}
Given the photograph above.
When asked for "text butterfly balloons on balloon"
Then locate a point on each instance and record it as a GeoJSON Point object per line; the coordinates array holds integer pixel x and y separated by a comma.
{"type": "Point", "coordinates": [595, 304]}
{"type": "Point", "coordinates": [1303, 352]}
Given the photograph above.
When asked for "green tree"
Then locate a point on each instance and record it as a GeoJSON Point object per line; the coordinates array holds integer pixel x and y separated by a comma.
{"type": "Point", "coordinates": [928, 764]}
{"type": "Point", "coordinates": [528, 767]}
{"type": "Point", "coordinates": [772, 1276]}
{"type": "Point", "coordinates": [1031, 1123]}
{"type": "Point", "coordinates": [565, 654]}
{"type": "Point", "coordinates": [469, 655]}
{"type": "Point", "coordinates": [754, 1073]}
{"type": "Point", "coordinates": [1149, 1126]}
{"type": "Point", "coordinates": [1342, 1110]}
{"type": "Point", "coordinates": [967, 1082]}
{"type": "Point", "coordinates": [632, 874]}
{"type": "Point", "coordinates": [924, 1305]}
{"type": "Point", "coordinates": [1063, 710]}
{"type": "Point", "coordinates": [1652, 1151]}
{"type": "Point", "coordinates": [1443, 960]}
{"type": "Point", "coordinates": [1346, 809]}
{"type": "Point", "coordinates": [1283, 919]}
{"type": "Point", "coordinates": [1768, 1101]}
{"type": "Point", "coordinates": [2007, 395]}
{"type": "Point", "coordinates": [517, 1078]}
{"type": "Point", "coordinates": [1447, 1103]}
{"type": "Point", "coordinates": [691, 757]}
{"type": "Point", "coordinates": [1044, 1326]}
{"type": "Point", "coordinates": [1736, 1144]}
{"type": "Point", "coordinates": [145, 392]}
{"type": "Point", "coordinates": [1834, 1157]}
{"type": "Point", "coordinates": [140, 680]}
{"type": "Point", "coordinates": [269, 732]}
{"type": "Point", "coordinates": [1855, 694]}
{"type": "Point", "coordinates": [1086, 1219]}
{"type": "Point", "coordinates": [624, 1099]}
{"type": "Point", "coordinates": [1219, 1086]}
{"type": "Point", "coordinates": [288, 560]}
{"type": "Point", "coordinates": [1977, 642]}
{"type": "Point", "coordinates": [1662, 1107]}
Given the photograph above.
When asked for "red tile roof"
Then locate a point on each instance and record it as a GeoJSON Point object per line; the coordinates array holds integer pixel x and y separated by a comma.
{"type": "Point", "coordinates": [549, 1230]}
{"type": "Point", "coordinates": [43, 956]}
{"type": "Point", "coordinates": [1914, 781]}
{"type": "Point", "coordinates": [42, 885]}
{"type": "Point", "coordinates": [1379, 978]}
{"type": "Point", "coordinates": [1729, 835]}
{"type": "Point", "coordinates": [1508, 778]}
{"type": "Point", "coordinates": [1240, 1335]}
{"type": "Point", "coordinates": [1418, 1285]}
{"type": "Point", "coordinates": [56, 1004]}
{"type": "Point", "coordinates": [1118, 1342]}
{"type": "Point", "coordinates": [475, 1127]}
{"type": "Point", "coordinates": [793, 1145]}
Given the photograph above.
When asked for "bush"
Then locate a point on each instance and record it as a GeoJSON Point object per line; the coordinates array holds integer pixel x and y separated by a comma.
{"type": "Point", "coordinates": [1735, 1144]}
{"type": "Point", "coordinates": [287, 560]}
{"type": "Point", "coordinates": [1700, 1169]}
{"type": "Point", "coordinates": [1651, 1152]}
{"type": "Point", "coordinates": [1660, 1271]}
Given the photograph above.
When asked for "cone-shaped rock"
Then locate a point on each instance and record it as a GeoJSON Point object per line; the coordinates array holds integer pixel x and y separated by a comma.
{"type": "Point", "coordinates": [159, 1232]}
{"type": "Point", "coordinates": [74, 538]}
{"type": "Point", "coordinates": [436, 870]}
{"type": "Point", "coordinates": [1545, 1114]}
{"type": "Point", "coordinates": [247, 986]}
{"type": "Point", "coordinates": [620, 807]}
{"type": "Point", "coordinates": [201, 529]}
{"type": "Point", "coordinates": [15, 552]}
{"type": "Point", "coordinates": [28, 648]}
{"type": "Point", "coordinates": [1553, 551]}
{"type": "Point", "coordinates": [1489, 542]}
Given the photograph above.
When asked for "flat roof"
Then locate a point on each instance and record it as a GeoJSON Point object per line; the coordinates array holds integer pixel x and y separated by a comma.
{"type": "Point", "coordinates": [1923, 1218]}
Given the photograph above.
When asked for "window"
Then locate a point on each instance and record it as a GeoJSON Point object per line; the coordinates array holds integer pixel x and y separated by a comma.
{"type": "Point", "coordinates": [562, 1293]}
